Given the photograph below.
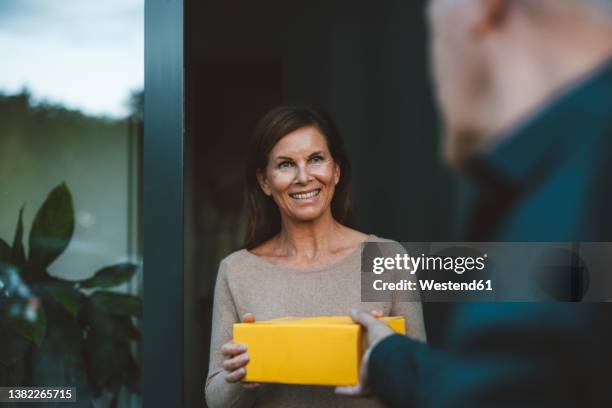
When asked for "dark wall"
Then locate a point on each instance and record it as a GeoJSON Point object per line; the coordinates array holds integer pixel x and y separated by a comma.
{"type": "Point", "coordinates": [365, 62]}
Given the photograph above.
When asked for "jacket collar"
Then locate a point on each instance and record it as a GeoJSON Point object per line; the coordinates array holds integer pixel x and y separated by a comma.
{"type": "Point", "coordinates": [542, 142]}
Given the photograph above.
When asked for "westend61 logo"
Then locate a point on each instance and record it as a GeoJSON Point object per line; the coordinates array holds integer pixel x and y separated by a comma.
{"type": "Point", "coordinates": [411, 264]}
{"type": "Point", "coordinates": [486, 271]}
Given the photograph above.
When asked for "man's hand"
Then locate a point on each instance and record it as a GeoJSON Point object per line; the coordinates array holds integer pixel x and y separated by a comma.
{"type": "Point", "coordinates": [377, 331]}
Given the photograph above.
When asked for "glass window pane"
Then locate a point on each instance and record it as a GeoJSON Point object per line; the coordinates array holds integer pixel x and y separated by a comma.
{"type": "Point", "coordinates": [71, 91]}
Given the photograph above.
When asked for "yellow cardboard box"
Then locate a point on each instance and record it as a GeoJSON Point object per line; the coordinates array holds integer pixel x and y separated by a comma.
{"type": "Point", "coordinates": [317, 350]}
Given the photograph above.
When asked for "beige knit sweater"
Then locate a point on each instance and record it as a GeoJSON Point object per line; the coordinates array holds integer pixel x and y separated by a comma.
{"type": "Point", "coordinates": [249, 284]}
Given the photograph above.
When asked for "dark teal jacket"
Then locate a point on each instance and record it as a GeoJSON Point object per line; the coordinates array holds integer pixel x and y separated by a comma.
{"type": "Point", "coordinates": [551, 180]}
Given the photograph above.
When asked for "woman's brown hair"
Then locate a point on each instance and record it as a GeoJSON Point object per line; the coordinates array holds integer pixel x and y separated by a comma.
{"type": "Point", "coordinates": [263, 216]}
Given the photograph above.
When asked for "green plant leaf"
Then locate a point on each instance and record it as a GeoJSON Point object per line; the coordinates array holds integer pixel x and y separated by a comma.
{"type": "Point", "coordinates": [111, 276]}
{"type": "Point", "coordinates": [112, 325]}
{"type": "Point", "coordinates": [18, 255]}
{"type": "Point", "coordinates": [5, 252]}
{"type": "Point", "coordinates": [33, 330]}
{"type": "Point", "coordinates": [64, 293]}
{"type": "Point", "coordinates": [107, 360]}
{"type": "Point", "coordinates": [13, 346]}
{"type": "Point", "coordinates": [126, 328]}
{"type": "Point", "coordinates": [52, 228]}
{"type": "Point", "coordinates": [5, 259]}
{"type": "Point", "coordinates": [64, 335]}
{"type": "Point", "coordinates": [132, 377]}
{"type": "Point", "coordinates": [49, 368]}
{"type": "Point", "coordinates": [117, 303]}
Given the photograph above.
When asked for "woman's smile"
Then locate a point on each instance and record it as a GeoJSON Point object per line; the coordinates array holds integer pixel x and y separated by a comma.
{"type": "Point", "coordinates": [307, 196]}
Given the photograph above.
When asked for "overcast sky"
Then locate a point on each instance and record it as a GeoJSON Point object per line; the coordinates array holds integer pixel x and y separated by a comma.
{"type": "Point", "coordinates": [84, 54]}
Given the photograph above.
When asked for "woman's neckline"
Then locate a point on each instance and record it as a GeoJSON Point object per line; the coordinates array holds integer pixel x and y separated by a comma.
{"type": "Point", "coordinates": [329, 266]}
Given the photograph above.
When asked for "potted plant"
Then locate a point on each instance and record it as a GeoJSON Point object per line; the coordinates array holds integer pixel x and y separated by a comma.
{"type": "Point", "coordinates": [56, 332]}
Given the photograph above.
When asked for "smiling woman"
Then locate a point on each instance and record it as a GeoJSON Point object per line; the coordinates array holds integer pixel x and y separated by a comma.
{"type": "Point", "coordinates": [295, 154]}
{"type": "Point", "coordinates": [300, 256]}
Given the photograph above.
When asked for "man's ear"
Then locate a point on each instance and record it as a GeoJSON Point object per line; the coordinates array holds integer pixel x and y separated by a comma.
{"type": "Point", "coordinates": [492, 13]}
{"type": "Point", "coordinates": [263, 182]}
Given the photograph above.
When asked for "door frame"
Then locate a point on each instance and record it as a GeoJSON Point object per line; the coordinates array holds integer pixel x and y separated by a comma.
{"type": "Point", "coordinates": [162, 351]}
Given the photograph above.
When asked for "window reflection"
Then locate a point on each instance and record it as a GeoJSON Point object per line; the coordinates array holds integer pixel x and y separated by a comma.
{"type": "Point", "coordinates": [71, 107]}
